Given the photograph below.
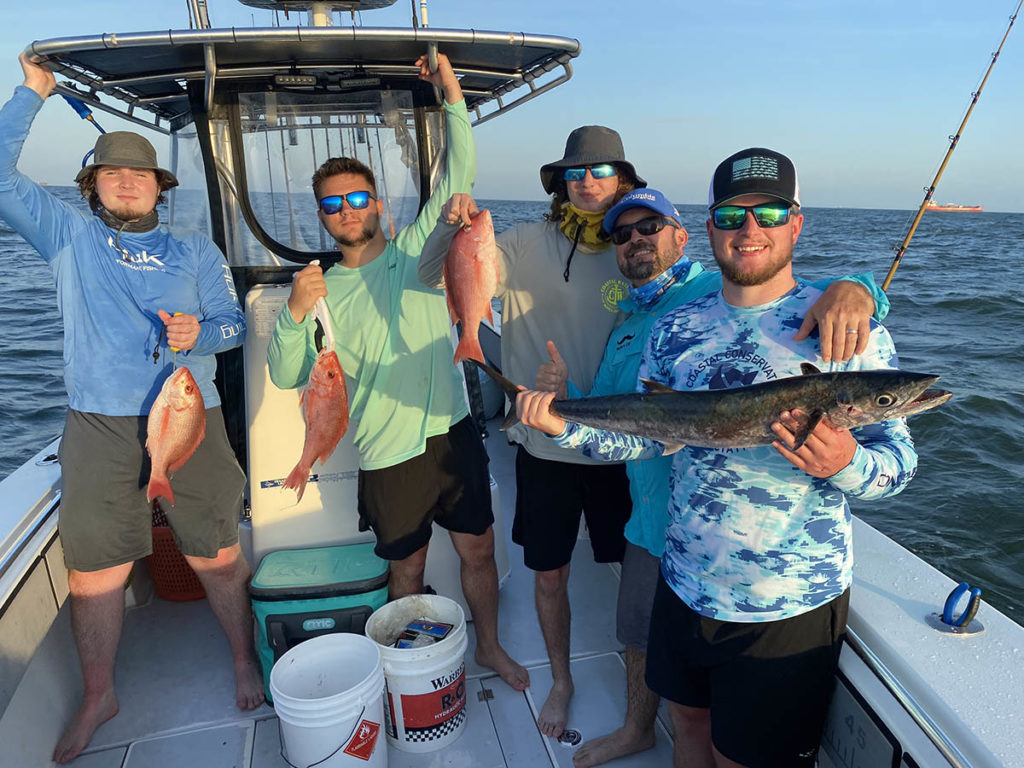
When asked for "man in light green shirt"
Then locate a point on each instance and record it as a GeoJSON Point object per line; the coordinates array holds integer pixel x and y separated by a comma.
{"type": "Point", "coordinates": [421, 458]}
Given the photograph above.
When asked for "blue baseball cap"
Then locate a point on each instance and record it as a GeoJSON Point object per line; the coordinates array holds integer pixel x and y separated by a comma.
{"type": "Point", "coordinates": [641, 198]}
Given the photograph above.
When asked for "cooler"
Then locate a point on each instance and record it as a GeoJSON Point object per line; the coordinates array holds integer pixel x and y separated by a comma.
{"type": "Point", "coordinates": [302, 593]}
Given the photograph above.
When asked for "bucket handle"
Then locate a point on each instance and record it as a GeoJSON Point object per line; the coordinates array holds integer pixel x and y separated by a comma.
{"type": "Point", "coordinates": [346, 740]}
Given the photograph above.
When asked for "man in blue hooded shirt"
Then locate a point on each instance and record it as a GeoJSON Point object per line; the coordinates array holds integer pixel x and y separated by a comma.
{"type": "Point", "coordinates": [130, 290]}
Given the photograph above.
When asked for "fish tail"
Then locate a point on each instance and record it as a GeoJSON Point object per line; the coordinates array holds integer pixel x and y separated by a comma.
{"type": "Point", "coordinates": [297, 479]}
{"type": "Point", "coordinates": [511, 392]}
{"type": "Point", "coordinates": [468, 349]}
{"type": "Point", "coordinates": [159, 486]}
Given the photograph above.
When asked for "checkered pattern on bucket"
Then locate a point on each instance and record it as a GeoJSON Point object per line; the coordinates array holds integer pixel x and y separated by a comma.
{"type": "Point", "coordinates": [435, 732]}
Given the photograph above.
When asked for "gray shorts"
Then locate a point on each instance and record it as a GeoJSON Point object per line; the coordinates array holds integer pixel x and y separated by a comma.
{"type": "Point", "coordinates": [636, 596]}
{"type": "Point", "coordinates": [105, 519]}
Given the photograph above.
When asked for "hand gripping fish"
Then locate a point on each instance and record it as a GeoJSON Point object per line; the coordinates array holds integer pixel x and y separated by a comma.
{"type": "Point", "coordinates": [742, 417]}
{"type": "Point", "coordinates": [471, 279]}
{"type": "Point", "coordinates": [176, 427]}
{"type": "Point", "coordinates": [324, 404]}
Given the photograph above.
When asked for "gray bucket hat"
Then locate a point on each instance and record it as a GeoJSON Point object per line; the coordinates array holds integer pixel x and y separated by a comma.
{"type": "Point", "coordinates": [125, 149]}
{"type": "Point", "coordinates": [588, 145]}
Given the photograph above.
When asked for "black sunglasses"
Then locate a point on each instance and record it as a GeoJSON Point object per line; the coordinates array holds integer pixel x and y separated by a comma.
{"type": "Point", "coordinates": [649, 226]}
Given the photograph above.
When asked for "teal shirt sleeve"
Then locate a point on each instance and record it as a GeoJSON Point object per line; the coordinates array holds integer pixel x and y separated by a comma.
{"type": "Point", "coordinates": [867, 279]}
{"type": "Point", "coordinates": [291, 353]}
{"type": "Point", "coordinates": [460, 172]}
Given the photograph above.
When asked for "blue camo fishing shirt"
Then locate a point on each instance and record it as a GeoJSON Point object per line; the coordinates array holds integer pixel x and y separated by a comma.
{"type": "Point", "coordinates": [751, 537]}
{"type": "Point", "coordinates": [683, 282]}
{"type": "Point", "coordinates": [109, 289]}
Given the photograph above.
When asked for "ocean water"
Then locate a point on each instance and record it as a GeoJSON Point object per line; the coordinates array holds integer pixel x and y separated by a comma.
{"type": "Point", "coordinates": [957, 311]}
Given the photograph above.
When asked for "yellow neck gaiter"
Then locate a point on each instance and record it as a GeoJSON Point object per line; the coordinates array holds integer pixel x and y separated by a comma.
{"type": "Point", "coordinates": [573, 218]}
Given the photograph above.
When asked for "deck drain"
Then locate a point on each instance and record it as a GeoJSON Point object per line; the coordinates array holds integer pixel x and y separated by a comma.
{"type": "Point", "coordinates": [570, 737]}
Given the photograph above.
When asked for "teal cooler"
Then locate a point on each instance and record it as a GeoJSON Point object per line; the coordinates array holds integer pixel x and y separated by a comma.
{"type": "Point", "coordinates": [302, 593]}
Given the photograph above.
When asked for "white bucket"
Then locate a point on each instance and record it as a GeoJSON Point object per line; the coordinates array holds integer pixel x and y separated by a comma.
{"type": "Point", "coordinates": [424, 688]}
{"type": "Point", "coordinates": [328, 694]}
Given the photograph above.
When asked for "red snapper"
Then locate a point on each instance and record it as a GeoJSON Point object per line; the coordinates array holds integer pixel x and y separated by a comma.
{"type": "Point", "coordinates": [471, 279]}
{"type": "Point", "coordinates": [176, 427]}
{"type": "Point", "coordinates": [325, 410]}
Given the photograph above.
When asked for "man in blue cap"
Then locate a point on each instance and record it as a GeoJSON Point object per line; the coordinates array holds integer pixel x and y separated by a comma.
{"type": "Point", "coordinates": [649, 243]}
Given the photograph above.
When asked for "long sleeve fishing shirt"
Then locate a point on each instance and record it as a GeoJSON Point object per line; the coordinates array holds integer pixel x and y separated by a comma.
{"type": "Point", "coordinates": [620, 367]}
{"type": "Point", "coordinates": [392, 335]}
{"type": "Point", "coordinates": [538, 303]}
{"type": "Point", "coordinates": [750, 536]}
{"type": "Point", "coordinates": [110, 288]}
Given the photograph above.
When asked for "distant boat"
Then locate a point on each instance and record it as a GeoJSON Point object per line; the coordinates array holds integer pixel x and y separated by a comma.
{"type": "Point", "coordinates": [933, 206]}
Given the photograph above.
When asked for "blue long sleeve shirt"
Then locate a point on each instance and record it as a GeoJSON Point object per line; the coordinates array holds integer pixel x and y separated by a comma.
{"type": "Point", "coordinates": [750, 536]}
{"type": "Point", "coordinates": [109, 289]}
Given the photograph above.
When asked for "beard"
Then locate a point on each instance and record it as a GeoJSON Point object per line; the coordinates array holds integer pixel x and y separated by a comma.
{"type": "Point", "coordinates": [760, 276]}
{"type": "Point", "coordinates": [641, 270]}
{"type": "Point", "coordinates": [370, 227]}
{"type": "Point", "coordinates": [127, 213]}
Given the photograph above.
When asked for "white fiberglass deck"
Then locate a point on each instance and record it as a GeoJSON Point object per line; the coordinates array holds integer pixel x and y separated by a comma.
{"type": "Point", "coordinates": [176, 690]}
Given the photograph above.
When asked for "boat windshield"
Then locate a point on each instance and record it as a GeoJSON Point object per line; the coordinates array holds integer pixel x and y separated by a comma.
{"type": "Point", "coordinates": [266, 147]}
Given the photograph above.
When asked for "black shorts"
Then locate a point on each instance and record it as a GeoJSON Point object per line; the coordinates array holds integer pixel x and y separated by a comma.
{"type": "Point", "coordinates": [448, 483]}
{"type": "Point", "coordinates": [551, 495]}
{"type": "Point", "coordinates": [105, 519]}
{"type": "Point", "coordinates": [768, 684]}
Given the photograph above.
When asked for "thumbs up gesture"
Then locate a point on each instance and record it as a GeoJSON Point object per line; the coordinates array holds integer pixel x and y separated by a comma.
{"type": "Point", "coordinates": [553, 375]}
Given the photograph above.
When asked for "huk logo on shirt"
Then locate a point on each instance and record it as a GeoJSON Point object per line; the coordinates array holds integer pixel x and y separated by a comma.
{"type": "Point", "coordinates": [144, 261]}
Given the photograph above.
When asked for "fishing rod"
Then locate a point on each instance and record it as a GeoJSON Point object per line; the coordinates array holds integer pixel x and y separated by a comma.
{"type": "Point", "coordinates": [953, 141]}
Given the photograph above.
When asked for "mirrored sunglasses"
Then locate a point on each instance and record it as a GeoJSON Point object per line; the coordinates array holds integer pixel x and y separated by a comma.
{"type": "Point", "coordinates": [649, 226]}
{"type": "Point", "coordinates": [603, 171]}
{"type": "Point", "coordinates": [767, 215]}
{"type": "Point", "coordinates": [357, 200]}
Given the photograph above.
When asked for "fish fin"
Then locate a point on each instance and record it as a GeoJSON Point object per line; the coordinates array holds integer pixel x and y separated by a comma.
{"type": "Point", "coordinates": [804, 431]}
{"type": "Point", "coordinates": [511, 419]}
{"type": "Point", "coordinates": [159, 486]}
{"type": "Point", "coordinates": [808, 369]}
{"type": "Point", "coordinates": [468, 349]}
{"type": "Point", "coordinates": [656, 387]}
{"type": "Point", "coordinates": [671, 448]}
{"type": "Point", "coordinates": [297, 479]}
{"type": "Point", "coordinates": [489, 314]}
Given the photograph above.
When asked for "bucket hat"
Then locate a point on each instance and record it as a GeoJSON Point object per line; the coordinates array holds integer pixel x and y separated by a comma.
{"type": "Point", "coordinates": [125, 149]}
{"type": "Point", "coordinates": [754, 171]}
{"type": "Point", "coordinates": [588, 145]}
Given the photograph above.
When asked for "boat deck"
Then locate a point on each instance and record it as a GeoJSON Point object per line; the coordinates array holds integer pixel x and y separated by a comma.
{"type": "Point", "coordinates": [176, 689]}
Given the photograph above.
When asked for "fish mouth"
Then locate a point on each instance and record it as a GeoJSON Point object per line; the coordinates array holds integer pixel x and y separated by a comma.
{"type": "Point", "coordinates": [930, 398]}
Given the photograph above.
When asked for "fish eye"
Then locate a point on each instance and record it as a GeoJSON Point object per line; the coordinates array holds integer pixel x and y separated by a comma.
{"type": "Point", "coordinates": [885, 400]}
{"type": "Point", "coordinates": [330, 375]}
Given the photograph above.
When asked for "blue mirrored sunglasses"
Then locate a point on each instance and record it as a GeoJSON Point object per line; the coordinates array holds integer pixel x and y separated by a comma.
{"type": "Point", "coordinates": [767, 215]}
{"type": "Point", "coordinates": [603, 171]}
{"type": "Point", "coordinates": [356, 200]}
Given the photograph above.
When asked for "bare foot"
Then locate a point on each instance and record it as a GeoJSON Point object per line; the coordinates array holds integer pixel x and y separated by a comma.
{"type": "Point", "coordinates": [90, 716]}
{"type": "Point", "coordinates": [555, 712]}
{"type": "Point", "coordinates": [511, 671]}
{"type": "Point", "coordinates": [248, 685]}
{"type": "Point", "coordinates": [624, 741]}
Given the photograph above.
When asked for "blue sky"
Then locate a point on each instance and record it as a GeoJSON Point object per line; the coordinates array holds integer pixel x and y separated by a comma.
{"type": "Point", "coordinates": [862, 96]}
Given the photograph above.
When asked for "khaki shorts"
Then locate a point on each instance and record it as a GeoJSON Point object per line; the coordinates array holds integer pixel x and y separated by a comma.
{"type": "Point", "coordinates": [105, 519]}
